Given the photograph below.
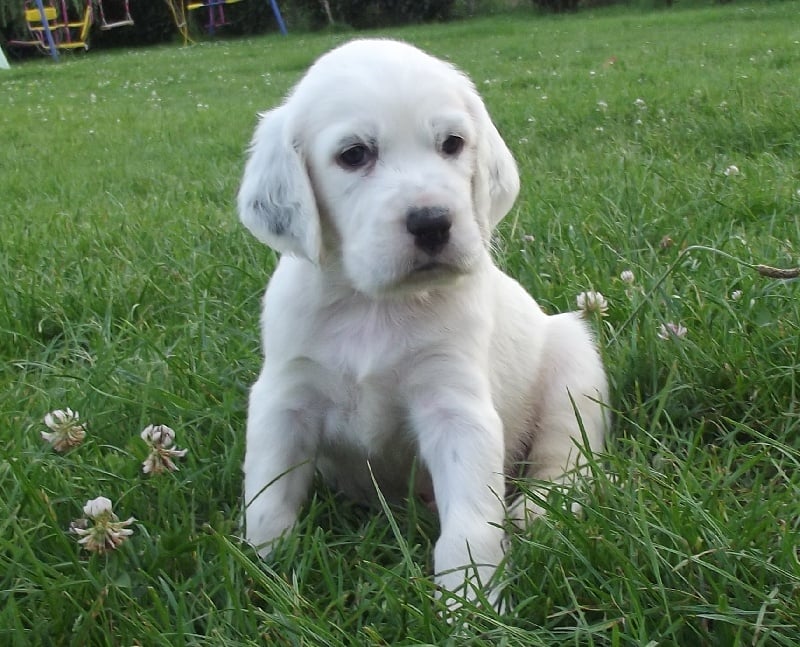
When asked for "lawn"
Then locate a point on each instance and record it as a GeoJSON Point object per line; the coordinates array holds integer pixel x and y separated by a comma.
{"type": "Point", "coordinates": [665, 144]}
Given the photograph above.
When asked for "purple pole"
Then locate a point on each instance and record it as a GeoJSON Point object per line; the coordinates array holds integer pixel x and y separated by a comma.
{"type": "Point", "coordinates": [50, 42]}
{"type": "Point", "coordinates": [278, 17]}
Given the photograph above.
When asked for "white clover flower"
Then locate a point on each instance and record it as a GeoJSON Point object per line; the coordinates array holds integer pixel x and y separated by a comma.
{"type": "Point", "coordinates": [627, 277]}
{"type": "Point", "coordinates": [602, 105]}
{"type": "Point", "coordinates": [160, 439]}
{"type": "Point", "coordinates": [731, 171]}
{"type": "Point", "coordinates": [65, 431]}
{"type": "Point", "coordinates": [94, 508]}
{"type": "Point", "coordinates": [640, 103]}
{"type": "Point", "coordinates": [158, 435]}
{"type": "Point", "coordinates": [592, 301]}
{"type": "Point", "coordinates": [736, 295]}
{"type": "Point", "coordinates": [107, 532]}
{"type": "Point", "coordinates": [670, 330]}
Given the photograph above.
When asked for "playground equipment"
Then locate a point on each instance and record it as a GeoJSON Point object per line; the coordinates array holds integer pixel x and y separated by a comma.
{"type": "Point", "coordinates": [123, 19]}
{"type": "Point", "coordinates": [53, 27]}
{"type": "Point", "coordinates": [65, 33]}
{"type": "Point", "coordinates": [216, 12]}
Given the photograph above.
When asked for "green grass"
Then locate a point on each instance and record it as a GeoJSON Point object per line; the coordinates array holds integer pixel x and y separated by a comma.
{"type": "Point", "coordinates": [129, 292]}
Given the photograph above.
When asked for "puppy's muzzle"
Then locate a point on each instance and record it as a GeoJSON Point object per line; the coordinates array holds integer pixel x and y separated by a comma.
{"type": "Point", "coordinates": [430, 227]}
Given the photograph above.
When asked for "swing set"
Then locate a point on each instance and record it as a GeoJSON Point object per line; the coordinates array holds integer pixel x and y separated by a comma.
{"type": "Point", "coordinates": [215, 14]}
{"type": "Point", "coordinates": [55, 26]}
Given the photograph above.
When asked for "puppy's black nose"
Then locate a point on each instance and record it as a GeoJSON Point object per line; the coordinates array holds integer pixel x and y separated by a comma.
{"type": "Point", "coordinates": [430, 227]}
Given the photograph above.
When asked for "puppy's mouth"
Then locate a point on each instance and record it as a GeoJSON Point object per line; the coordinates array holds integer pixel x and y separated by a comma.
{"type": "Point", "coordinates": [432, 266]}
{"type": "Point", "coordinates": [433, 270]}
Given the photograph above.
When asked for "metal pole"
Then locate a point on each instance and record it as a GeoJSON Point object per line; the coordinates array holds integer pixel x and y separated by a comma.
{"type": "Point", "coordinates": [46, 25]}
{"type": "Point", "coordinates": [278, 17]}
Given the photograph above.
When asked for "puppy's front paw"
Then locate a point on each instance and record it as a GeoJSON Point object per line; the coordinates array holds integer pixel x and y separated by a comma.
{"type": "Point", "coordinates": [469, 567]}
{"type": "Point", "coordinates": [535, 503]}
{"type": "Point", "coordinates": [263, 525]}
{"type": "Point", "coordinates": [471, 592]}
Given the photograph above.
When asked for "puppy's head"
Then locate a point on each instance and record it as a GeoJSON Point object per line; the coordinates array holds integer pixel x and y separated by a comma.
{"type": "Point", "coordinates": [384, 160]}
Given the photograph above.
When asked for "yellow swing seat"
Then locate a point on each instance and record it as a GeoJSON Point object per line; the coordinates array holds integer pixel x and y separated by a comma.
{"type": "Point", "coordinates": [191, 6]}
{"type": "Point", "coordinates": [83, 26]}
{"type": "Point", "coordinates": [33, 17]}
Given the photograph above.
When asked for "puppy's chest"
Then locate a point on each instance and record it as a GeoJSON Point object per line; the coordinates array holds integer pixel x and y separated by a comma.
{"type": "Point", "coordinates": [362, 361]}
{"type": "Point", "coordinates": [366, 414]}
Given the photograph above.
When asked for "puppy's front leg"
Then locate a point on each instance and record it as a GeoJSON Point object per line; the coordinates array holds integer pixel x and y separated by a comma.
{"type": "Point", "coordinates": [460, 438]}
{"type": "Point", "coordinates": [278, 464]}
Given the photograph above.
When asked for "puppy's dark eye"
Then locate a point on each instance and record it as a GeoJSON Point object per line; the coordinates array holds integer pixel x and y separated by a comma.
{"type": "Point", "coordinates": [452, 145]}
{"type": "Point", "coordinates": [355, 157]}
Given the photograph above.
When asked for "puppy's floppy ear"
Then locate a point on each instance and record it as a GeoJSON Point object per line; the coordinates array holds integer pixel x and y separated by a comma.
{"type": "Point", "coordinates": [276, 201]}
{"type": "Point", "coordinates": [496, 176]}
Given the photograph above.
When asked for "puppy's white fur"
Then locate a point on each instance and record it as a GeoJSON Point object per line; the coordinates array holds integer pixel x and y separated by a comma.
{"type": "Point", "coordinates": [383, 348]}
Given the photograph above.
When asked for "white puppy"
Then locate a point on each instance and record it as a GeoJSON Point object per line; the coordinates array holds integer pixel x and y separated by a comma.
{"type": "Point", "coordinates": [390, 336]}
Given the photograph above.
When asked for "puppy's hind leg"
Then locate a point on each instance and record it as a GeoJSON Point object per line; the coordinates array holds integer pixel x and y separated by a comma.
{"type": "Point", "coordinates": [571, 416]}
